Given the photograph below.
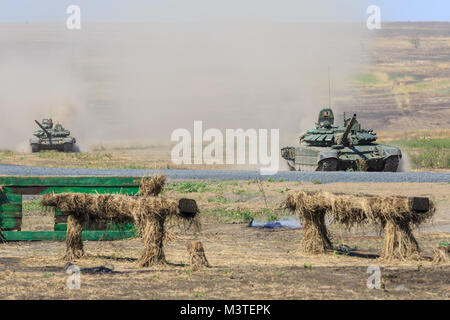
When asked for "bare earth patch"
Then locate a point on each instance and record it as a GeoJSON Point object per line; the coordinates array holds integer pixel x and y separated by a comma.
{"type": "Point", "coordinates": [246, 264]}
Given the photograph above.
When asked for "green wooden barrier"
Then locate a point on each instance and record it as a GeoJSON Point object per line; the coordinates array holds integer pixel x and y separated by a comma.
{"type": "Point", "coordinates": [13, 188]}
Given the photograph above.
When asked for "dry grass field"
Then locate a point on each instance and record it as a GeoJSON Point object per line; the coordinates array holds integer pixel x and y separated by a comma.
{"type": "Point", "coordinates": [246, 263]}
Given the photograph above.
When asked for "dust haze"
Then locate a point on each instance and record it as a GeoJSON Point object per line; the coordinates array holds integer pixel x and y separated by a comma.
{"type": "Point", "coordinates": [135, 82]}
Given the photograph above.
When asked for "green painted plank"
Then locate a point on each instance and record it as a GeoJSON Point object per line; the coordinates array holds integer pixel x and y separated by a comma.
{"type": "Point", "coordinates": [10, 215]}
{"type": "Point", "coordinates": [10, 210]}
{"type": "Point", "coordinates": [120, 226]}
{"type": "Point", "coordinates": [111, 227]}
{"type": "Point", "coordinates": [60, 227]}
{"type": "Point", "coordinates": [11, 207]}
{"type": "Point", "coordinates": [3, 219]}
{"type": "Point", "coordinates": [97, 189]}
{"type": "Point", "coordinates": [7, 196]}
{"type": "Point", "coordinates": [61, 235]}
{"type": "Point", "coordinates": [69, 181]}
{"type": "Point", "coordinates": [10, 224]}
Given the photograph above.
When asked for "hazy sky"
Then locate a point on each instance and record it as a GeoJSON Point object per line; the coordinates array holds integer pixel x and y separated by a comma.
{"type": "Point", "coordinates": [200, 10]}
{"type": "Point", "coordinates": [133, 82]}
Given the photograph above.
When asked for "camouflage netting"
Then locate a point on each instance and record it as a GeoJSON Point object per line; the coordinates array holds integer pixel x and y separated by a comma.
{"type": "Point", "coordinates": [149, 213]}
{"type": "Point", "coordinates": [393, 214]}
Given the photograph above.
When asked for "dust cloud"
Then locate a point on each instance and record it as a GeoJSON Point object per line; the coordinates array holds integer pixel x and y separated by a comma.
{"type": "Point", "coordinates": [405, 163]}
{"type": "Point", "coordinates": [135, 81]}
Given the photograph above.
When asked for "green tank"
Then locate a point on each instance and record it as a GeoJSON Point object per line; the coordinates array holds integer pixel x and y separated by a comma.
{"type": "Point", "coordinates": [50, 137]}
{"type": "Point", "coordinates": [329, 147]}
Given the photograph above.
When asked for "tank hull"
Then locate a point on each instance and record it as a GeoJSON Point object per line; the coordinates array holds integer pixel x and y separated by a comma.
{"type": "Point", "coordinates": [356, 158]}
{"type": "Point", "coordinates": [63, 145]}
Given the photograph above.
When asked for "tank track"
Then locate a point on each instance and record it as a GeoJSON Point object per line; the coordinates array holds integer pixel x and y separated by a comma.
{"type": "Point", "coordinates": [391, 164]}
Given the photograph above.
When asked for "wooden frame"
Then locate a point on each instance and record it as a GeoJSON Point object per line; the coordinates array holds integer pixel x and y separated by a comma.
{"type": "Point", "coordinates": [13, 187]}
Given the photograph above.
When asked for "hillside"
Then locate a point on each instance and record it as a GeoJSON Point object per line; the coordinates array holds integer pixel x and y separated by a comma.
{"type": "Point", "coordinates": [407, 84]}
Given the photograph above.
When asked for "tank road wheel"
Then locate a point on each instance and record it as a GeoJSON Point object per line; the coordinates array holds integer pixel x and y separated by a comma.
{"type": "Point", "coordinates": [34, 148]}
{"type": "Point", "coordinates": [330, 164]}
{"type": "Point", "coordinates": [391, 164]}
{"type": "Point", "coordinates": [68, 147]}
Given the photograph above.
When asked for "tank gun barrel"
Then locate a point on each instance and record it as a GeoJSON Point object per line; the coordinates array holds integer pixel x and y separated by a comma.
{"type": "Point", "coordinates": [348, 127]}
{"type": "Point", "coordinates": [42, 127]}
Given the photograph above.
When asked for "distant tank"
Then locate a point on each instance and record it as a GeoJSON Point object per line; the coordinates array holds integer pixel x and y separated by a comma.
{"type": "Point", "coordinates": [332, 148]}
{"type": "Point", "coordinates": [51, 137]}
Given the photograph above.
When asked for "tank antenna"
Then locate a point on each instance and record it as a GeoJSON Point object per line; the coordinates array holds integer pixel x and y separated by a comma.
{"type": "Point", "coordinates": [329, 88]}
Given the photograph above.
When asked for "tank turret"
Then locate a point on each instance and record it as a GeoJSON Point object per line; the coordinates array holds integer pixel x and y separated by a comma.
{"type": "Point", "coordinates": [326, 118]}
{"type": "Point", "coordinates": [44, 128]}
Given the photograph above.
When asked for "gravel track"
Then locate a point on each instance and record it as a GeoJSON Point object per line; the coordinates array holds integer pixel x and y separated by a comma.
{"type": "Point", "coordinates": [323, 177]}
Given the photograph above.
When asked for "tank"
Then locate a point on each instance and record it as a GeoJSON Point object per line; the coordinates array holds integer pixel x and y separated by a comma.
{"type": "Point", "coordinates": [50, 137]}
{"type": "Point", "coordinates": [331, 147]}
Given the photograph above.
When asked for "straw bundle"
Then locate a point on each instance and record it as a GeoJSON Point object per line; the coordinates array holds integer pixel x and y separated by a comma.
{"type": "Point", "coordinates": [74, 244]}
{"type": "Point", "coordinates": [394, 214]}
{"type": "Point", "coordinates": [441, 254]}
{"type": "Point", "coordinates": [312, 212]}
{"type": "Point", "coordinates": [399, 242]}
{"type": "Point", "coordinates": [197, 257]}
{"type": "Point", "coordinates": [152, 186]}
{"type": "Point", "coordinates": [148, 213]}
